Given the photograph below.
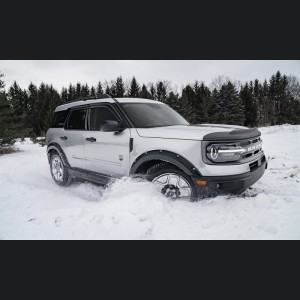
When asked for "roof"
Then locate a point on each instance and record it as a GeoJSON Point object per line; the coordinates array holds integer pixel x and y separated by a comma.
{"type": "Point", "coordinates": [136, 100]}
{"type": "Point", "coordinates": [105, 100]}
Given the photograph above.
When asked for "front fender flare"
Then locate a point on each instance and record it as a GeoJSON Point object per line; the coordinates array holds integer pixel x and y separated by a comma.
{"type": "Point", "coordinates": [167, 156]}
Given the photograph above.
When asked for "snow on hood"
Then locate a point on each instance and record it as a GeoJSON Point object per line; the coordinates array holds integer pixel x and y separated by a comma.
{"type": "Point", "coordinates": [183, 132]}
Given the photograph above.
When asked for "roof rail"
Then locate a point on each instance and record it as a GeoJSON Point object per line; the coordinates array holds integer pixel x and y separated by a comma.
{"type": "Point", "coordinates": [99, 96]}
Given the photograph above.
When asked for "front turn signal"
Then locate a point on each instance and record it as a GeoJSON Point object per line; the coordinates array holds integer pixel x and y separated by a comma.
{"type": "Point", "coordinates": [201, 182]}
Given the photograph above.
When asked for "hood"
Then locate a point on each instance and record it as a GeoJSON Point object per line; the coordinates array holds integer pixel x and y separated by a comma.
{"type": "Point", "coordinates": [182, 132]}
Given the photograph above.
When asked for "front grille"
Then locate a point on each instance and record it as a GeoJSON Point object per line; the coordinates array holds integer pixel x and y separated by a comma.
{"type": "Point", "coordinates": [237, 152]}
{"type": "Point", "coordinates": [251, 148]}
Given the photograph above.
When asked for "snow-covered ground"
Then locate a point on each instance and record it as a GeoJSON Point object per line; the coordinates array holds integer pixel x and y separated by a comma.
{"type": "Point", "coordinates": [33, 207]}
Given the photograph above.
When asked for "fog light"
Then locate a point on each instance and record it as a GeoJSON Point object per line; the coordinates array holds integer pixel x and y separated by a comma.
{"type": "Point", "coordinates": [201, 182]}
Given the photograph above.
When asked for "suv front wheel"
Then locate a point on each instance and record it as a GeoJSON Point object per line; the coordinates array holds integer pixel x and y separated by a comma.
{"type": "Point", "coordinates": [58, 170]}
{"type": "Point", "coordinates": [174, 183]}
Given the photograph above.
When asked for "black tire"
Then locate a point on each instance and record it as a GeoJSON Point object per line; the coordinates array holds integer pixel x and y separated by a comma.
{"type": "Point", "coordinates": [166, 168]}
{"type": "Point", "coordinates": [63, 180]}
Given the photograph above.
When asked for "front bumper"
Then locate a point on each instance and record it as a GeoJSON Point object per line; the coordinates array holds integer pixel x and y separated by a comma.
{"type": "Point", "coordinates": [232, 183]}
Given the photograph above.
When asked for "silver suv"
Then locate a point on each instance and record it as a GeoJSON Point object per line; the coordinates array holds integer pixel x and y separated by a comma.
{"type": "Point", "coordinates": [101, 138]}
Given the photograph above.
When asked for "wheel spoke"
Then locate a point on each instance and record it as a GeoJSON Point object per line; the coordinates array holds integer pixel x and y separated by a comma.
{"type": "Point", "coordinates": [174, 186]}
{"type": "Point", "coordinates": [173, 180]}
{"type": "Point", "coordinates": [57, 169]}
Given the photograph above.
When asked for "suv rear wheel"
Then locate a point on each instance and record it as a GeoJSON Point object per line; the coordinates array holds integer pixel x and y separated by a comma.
{"type": "Point", "coordinates": [174, 183]}
{"type": "Point", "coordinates": [59, 172]}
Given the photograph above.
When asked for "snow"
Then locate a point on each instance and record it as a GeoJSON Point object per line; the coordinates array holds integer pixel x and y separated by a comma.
{"type": "Point", "coordinates": [33, 207]}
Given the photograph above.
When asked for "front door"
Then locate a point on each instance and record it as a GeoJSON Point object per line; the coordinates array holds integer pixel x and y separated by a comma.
{"type": "Point", "coordinates": [106, 153]}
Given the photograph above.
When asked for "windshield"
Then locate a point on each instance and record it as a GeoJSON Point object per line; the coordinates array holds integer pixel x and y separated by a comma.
{"type": "Point", "coordinates": [147, 115]}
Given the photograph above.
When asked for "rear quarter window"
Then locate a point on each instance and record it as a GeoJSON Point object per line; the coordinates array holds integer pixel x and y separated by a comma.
{"type": "Point", "coordinates": [59, 119]}
{"type": "Point", "coordinates": [76, 121]}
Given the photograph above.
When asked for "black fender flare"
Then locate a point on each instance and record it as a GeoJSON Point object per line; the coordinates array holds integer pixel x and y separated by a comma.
{"type": "Point", "coordinates": [167, 156]}
{"type": "Point", "coordinates": [58, 149]}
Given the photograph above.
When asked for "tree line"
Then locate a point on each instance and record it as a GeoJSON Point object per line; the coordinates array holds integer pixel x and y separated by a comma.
{"type": "Point", "coordinates": [28, 112]}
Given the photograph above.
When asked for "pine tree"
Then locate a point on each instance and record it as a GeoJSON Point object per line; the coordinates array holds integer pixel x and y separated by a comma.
{"type": "Point", "coordinates": [99, 89]}
{"type": "Point", "coordinates": [294, 94]}
{"type": "Point", "coordinates": [85, 91]}
{"type": "Point", "coordinates": [173, 101]}
{"type": "Point", "coordinates": [107, 90]}
{"type": "Point", "coordinates": [11, 125]}
{"type": "Point", "coordinates": [230, 105]}
{"type": "Point", "coordinates": [113, 89]}
{"type": "Point", "coordinates": [213, 110]}
{"type": "Point", "coordinates": [18, 99]}
{"type": "Point", "coordinates": [71, 93]}
{"type": "Point", "coordinates": [265, 105]}
{"type": "Point", "coordinates": [2, 85]}
{"type": "Point", "coordinates": [275, 97]}
{"type": "Point", "coordinates": [42, 102]}
{"type": "Point", "coordinates": [222, 116]}
{"type": "Point", "coordinates": [285, 102]}
{"type": "Point", "coordinates": [134, 90]}
{"type": "Point", "coordinates": [201, 102]}
{"type": "Point", "coordinates": [161, 92]}
{"type": "Point", "coordinates": [145, 93]}
{"type": "Point", "coordinates": [5, 115]}
{"type": "Point", "coordinates": [120, 90]}
{"type": "Point", "coordinates": [187, 109]}
{"type": "Point", "coordinates": [78, 93]}
{"type": "Point", "coordinates": [295, 111]}
{"type": "Point", "coordinates": [64, 95]}
{"type": "Point", "coordinates": [236, 109]}
{"type": "Point", "coordinates": [93, 91]}
{"type": "Point", "coordinates": [32, 115]}
{"type": "Point", "coordinates": [152, 92]}
{"type": "Point", "coordinates": [53, 100]}
{"type": "Point", "coordinates": [248, 97]}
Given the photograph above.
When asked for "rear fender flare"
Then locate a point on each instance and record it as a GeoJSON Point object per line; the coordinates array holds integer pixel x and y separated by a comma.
{"type": "Point", "coordinates": [56, 147]}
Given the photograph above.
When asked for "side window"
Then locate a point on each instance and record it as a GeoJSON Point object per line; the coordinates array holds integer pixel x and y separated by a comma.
{"type": "Point", "coordinates": [77, 119]}
{"type": "Point", "coordinates": [99, 115]}
{"type": "Point", "coordinates": [59, 119]}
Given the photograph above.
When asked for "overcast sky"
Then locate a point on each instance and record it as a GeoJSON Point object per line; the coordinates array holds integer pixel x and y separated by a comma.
{"type": "Point", "coordinates": [61, 72]}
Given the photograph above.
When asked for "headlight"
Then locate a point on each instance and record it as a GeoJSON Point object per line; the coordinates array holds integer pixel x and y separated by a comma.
{"type": "Point", "coordinates": [224, 152]}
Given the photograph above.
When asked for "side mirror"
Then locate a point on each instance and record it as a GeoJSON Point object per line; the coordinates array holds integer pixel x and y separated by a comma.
{"type": "Point", "coordinates": [112, 126]}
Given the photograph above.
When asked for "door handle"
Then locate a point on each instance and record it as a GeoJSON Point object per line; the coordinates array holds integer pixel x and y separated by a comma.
{"type": "Point", "coordinates": [91, 140]}
{"type": "Point", "coordinates": [63, 138]}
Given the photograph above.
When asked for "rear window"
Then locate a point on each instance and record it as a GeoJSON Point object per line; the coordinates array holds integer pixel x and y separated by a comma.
{"type": "Point", "coordinates": [59, 119]}
{"type": "Point", "coordinates": [77, 119]}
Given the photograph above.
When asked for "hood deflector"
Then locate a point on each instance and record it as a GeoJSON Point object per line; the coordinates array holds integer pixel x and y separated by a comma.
{"type": "Point", "coordinates": [240, 134]}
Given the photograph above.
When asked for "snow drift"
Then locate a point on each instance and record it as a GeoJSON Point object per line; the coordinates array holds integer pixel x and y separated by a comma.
{"type": "Point", "coordinates": [33, 207]}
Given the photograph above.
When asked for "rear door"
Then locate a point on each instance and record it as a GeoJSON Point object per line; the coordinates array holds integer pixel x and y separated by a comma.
{"type": "Point", "coordinates": [106, 153]}
{"type": "Point", "coordinates": [72, 137]}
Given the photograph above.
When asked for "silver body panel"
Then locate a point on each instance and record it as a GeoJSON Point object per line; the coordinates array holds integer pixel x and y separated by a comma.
{"type": "Point", "coordinates": [110, 154]}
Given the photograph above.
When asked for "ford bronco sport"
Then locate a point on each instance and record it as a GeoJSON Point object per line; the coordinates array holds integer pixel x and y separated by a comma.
{"type": "Point", "coordinates": [101, 138]}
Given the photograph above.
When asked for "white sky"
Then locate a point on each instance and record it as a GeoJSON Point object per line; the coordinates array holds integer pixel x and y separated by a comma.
{"type": "Point", "coordinates": [61, 72]}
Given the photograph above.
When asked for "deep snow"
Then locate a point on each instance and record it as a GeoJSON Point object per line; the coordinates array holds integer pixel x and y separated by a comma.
{"type": "Point", "coordinates": [33, 207]}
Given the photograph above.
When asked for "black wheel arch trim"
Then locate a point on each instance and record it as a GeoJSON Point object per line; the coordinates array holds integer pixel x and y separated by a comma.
{"type": "Point", "coordinates": [57, 148]}
{"type": "Point", "coordinates": [167, 156]}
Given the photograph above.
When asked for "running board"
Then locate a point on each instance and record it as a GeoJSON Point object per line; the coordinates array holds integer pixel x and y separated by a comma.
{"type": "Point", "coordinates": [91, 176]}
